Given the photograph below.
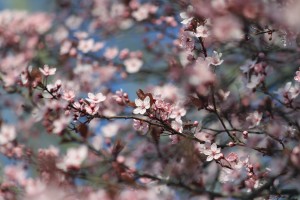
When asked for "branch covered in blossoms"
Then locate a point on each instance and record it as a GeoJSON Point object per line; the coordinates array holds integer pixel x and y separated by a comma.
{"type": "Point", "coordinates": [133, 99]}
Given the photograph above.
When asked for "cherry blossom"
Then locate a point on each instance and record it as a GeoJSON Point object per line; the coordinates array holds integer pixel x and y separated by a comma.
{"type": "Point", "coordinates": [142, 105]}
{"type": "Point", "coordinates": [92, 108]}
{"type": "Point", "coordinates": [60, 124]}
{"type": "Point", "coordinates": [111, 53]}
{"type": "Point", "coordinates": [110, 130]}
{"type": "Point", "coordinates": [47, 71]}
{"type": "Point", "coordinates": [227, 28]}
{"type": "Point", "coordinates": [177, 126]}
{"type": "Point", "coordinates": [202, 31]}
{"type": "Point", "coordinates": [216, 59]}
{"type": "Point", "coordinates": [213, 152]}
{"type": "Point", "coordinates": [140, 125]}
{"type": "Point", "coordinates": [133, 65]}
{"type": "Point", "coordinates": [289, 91]}
{"type": "Point", "coordinates": [69, 95]}
{"type": "Point", "coordinates": [297, 77]}
{"type": "Point", "coordinates": [60, 138]}
{"type": "Point", "coordinates": [7, 134]}
{"type": "Point", "coordinates": [74, 158]}
{"type": "Point", "coordinates": [254, 81]}
{"type": "Point", "coordinates": [184, 15]}
{"type": "Point", "coordinates": [254, 118]}
{"type": "Point", "coordinates": [86, 45]}
{"type": "Point", "coordinates": [177, 113]}
{"type": "Point", "coordinates": [96, 98]}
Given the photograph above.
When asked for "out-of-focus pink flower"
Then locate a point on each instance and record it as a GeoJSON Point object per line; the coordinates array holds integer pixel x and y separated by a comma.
{"type": "Point", "coordinates": [215, 59]}
{"type": "Point", "coordinates": [111, 53]}
{"type": "Point", "coordinates": [140, 125]}
{"type": "Point", "coordinates": [186, 19]}
{"type": "Point", "coordinates": [86, 45]}
{"type": "Point", "coordinates": [144, 11]}
{"type": "Point", "coordinates": [254, 118]}
{"type": "Point", "coordinates": [186, 41]}
{"type": "Point", "coordinates": [74, 158]}
{"type": "Point", "coordinates": [133, 65]}
{"type": "Point", "coordinates": [289, 91]}
{"type": "Point", "coordinates": [15, 173]}
{"type": "Point", "coordinates": [227, 28]}
{"type": "Point", "coordinates": [110, 130]}
{"type": "Point", "coordinates": [142, 105]}
{"type": "Point", "coordinates": [255, 80]}
{"type": "Point", "coordinates": [140, 14]}
{"type": "Point", "coordinates": [7, 134]}
{"type": "Point", "coordinates": [297, 77]}
{"type": "Point", "coordinates": [97, 46]}
{"type": "Point", "coordinates": [65, 47]}
{"type": "Point", "coordinates": [249, 64]}
{"type": "Point", "coordinates": [224, 95]}
{"type": "Point", "coordinates": [202, 31]}
{"type": "Point", "coordinates": [60, 124]}
{"type": "Point", "coordinates": [213, 153]}
{"type": "Point", "coordinates": [47, 71]}
{"type": "Point", "coordinates": [96, 98]}
{"type": "Point", "coordinates": [69, 95]}
{"type": "Point", "coordinates": [185, 16]}
{"type": "Point", "coordinates": [295, 156]}
{"type": "Point", "coordinates": [177, 126]}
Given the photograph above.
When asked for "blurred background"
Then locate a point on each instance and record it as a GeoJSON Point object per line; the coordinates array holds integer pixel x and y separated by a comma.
{"type": "Point", "coordinates": [29, 5]}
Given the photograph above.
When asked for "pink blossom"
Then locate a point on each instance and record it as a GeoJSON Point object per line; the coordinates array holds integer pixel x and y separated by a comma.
{"type": "Point", "coordinates": [15, 173]}
{"type": "Point", "coordinates": [96, 98]}
{"type": "Point", "coordinates": [202, 31]}
{"type": "Point", "coordinates": [69, 95]}
{"type": "Point", "coordinates": [7, 134]}
{"type": "Point", "coordinates": [224, 95]}
{"type": "Point", "coordinates": [254, 118]}
{"type": "Point", "coordinates": [133, 65]}
{"type": "Point", "coordinates": [185, 15]}
{"type": "Point", "coordinates": [186, 19]}
{"type": "Point", "coordinates": [232, 157]}
{"type": "Point", "coordinates": [73, 158]}
{"type": "Point", "coordinates": [227, 28]}
{"type": "Point", "coordinates": [86, 45]}
{"type": "Point", "coordinates": [289, 91]}
{"type": "Point", "coordinates": [142, 105]}
{"type": "Point", "coordinates": [110, 130]}
{"type": "Point", "coordinates": [60, 124]}
{"type": "Point", "coordinates": [97, 46]}
{"type": "Point", "coordinates": [92, 108]}
{"type": "Point", "coordinates": [255, 80]}
{"type": "Point", "coordinates": [249, 64]}
{"type": "Point", "coordinates": [216, 59]}
{"type": "Point", "coordinates": [177, 126]}
{"type": "Point", "coordinates": [65, 47]}
{"type": "Point", "coordinates": [297, 77]}
{"type": "Point", "coordinates": [177, 113]}
{"type": "Point", "coordinates": [144, 11]}
{"type": "Point", "coordinates": [47, 71]}
{"type": "Point", "coordinates": [213, 153]}
{"type": "Point", "coordinates": [140, 14]}
{"type": "Point", "coordinates": [97, 142]}
{"type": "Point", "coordinates": [111, 53]}
{"type": "Point", "coordinates": [186, 41]}
{"type": "Point", "coordinates": [140, 125]}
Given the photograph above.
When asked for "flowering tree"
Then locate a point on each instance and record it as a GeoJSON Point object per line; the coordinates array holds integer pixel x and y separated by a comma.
{"type": "Point", "coordinates": [129, 99]}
